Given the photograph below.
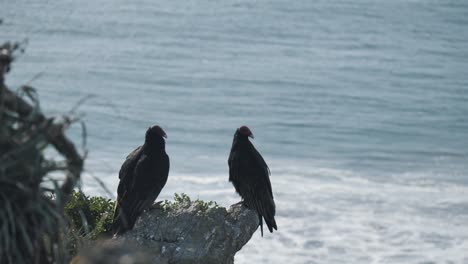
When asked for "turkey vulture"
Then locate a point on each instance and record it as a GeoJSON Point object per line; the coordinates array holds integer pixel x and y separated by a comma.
{"type": "Point", "coordinates": [249, 174]}
{"type": "Point", "coordinates": [142, 177]}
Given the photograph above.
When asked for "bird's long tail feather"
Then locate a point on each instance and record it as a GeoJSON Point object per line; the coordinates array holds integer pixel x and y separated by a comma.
{"type": "Point", "coordinates": [271, 224]}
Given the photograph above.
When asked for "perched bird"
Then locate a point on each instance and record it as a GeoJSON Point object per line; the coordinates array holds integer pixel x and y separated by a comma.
{"type": "Point", "coordinates": [249, 174]}
{"type": "Point", "coordinates": [142, 177]}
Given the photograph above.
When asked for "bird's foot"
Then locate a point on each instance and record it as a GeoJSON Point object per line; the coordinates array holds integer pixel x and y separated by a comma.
{"type": "Point", "coordinates": [156, 206]}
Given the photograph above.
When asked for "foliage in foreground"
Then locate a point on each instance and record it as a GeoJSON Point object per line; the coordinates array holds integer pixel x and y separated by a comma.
{"type": "Point", "coordinates": [89, 217]}
{"type": "Point", "coordinates": [32, 225]}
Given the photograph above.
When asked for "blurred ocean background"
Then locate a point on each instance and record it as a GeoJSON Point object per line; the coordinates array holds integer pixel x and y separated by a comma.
{"type": "Point", "coordinates": [360, 108]}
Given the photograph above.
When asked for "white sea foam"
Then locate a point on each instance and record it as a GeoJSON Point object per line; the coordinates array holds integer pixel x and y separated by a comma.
{"type": "Point", "coordinates": [355, 220]}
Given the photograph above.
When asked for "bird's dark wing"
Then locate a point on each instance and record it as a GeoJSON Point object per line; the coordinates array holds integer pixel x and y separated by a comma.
{"type": "Point", "coordinates": [265, 170]}
{"type": "Point", "coordinates": [127, 171]}
{"type": "Point", "coordinates": [130, 162]}
{"type": "Point", "coordinates": [254, 185]}
{"type": "Point", "coordinates": [233, 164]}
{"type": "Point", "coordinates": [150, 185]}
{"type": "Point", "coordinates": [150, 176]}
{"type": "Point", "coordinates": [124, 193]}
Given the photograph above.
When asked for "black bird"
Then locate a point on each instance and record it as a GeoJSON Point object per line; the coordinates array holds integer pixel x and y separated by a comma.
{"type": "Point", "coordinates": [250, 175]}
{"type": "Point", "coordinates": [142, 177]}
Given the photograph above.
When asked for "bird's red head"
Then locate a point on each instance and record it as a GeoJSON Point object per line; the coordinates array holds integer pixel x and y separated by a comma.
{"type": "Point", "coordinates": [244, 130]}
{"type": "Point", "coordinates": [156, 130]}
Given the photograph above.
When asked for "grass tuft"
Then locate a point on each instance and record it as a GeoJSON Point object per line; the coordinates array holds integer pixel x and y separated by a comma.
{"type": "Point", "coordinates": [182, 201]}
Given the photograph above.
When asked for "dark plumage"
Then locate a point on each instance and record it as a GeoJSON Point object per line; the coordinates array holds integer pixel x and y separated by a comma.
{"type": "Point", "coordinates": [249, 174]}
{"type": "Point", "coordinates": [142, 177]}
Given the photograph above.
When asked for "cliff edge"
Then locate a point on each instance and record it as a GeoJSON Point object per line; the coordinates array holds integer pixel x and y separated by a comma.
{"type": "Point", "coordinates": [181, 232]}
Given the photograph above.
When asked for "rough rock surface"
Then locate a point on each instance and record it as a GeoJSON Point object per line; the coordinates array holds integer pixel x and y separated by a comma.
{"type": "Point", "coordinates": [193, 232]}
{"type": "Point", "coordinates": [112, 252]}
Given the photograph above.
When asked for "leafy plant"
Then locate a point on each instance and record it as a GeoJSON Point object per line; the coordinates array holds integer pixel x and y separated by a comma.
{"type": "Point", "coordinates": [88, 217]}
{"type": "Point", "coordinates": [183, 201]}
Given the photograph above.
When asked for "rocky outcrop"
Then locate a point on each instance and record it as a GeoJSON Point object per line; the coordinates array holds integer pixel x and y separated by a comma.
{"type": "Point", "coordinates": [192, 232]}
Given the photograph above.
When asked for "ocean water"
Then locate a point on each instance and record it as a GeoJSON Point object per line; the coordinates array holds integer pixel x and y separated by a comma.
{"type": "Point", "coordinates": [360, 108]}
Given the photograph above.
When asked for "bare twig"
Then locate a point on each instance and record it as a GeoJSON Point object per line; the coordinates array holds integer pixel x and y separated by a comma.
{"type": "Point", "coordinates": [31, 224]}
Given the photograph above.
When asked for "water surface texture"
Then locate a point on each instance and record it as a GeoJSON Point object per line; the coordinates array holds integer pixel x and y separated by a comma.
{"type": "Point", "coordinates": [359, 107]}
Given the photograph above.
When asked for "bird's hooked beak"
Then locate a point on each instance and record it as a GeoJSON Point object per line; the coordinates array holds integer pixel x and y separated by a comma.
{"type": "Point", "coordinates": [245, 131]}
{"type": "Point", "coordinates": [157, 130]}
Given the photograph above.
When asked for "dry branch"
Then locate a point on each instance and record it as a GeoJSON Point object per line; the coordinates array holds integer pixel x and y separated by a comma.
{"type": "Point", "coordinates": [54, 132]}
{"type": "Point", "coordinates": [32, 225]}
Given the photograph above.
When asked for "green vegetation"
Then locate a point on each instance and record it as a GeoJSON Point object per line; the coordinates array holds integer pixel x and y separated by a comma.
{"type": "Point", "coordinates": [89, 218]}
{"type": "Point", "coordinates": [183, 201]}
